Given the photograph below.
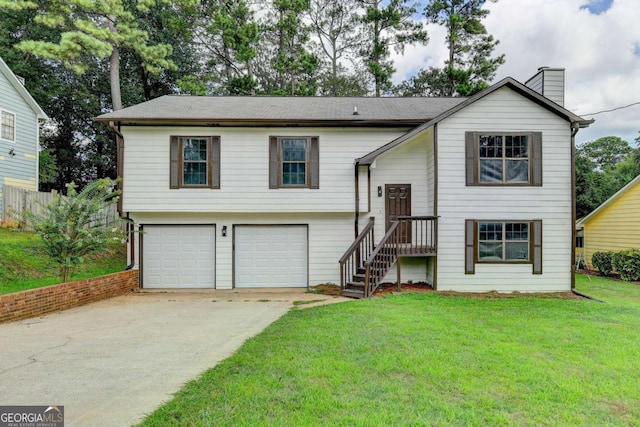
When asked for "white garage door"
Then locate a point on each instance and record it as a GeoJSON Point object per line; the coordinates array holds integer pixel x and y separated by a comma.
{"type": "Point", "coordinates": [178, 256]}
{"type": "Point", "coordinates": [270, 256]}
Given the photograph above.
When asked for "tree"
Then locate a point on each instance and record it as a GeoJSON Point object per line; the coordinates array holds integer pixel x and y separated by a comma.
{"type": "Point", "coordinates": [84, 150]}
{"type": "Point", "coordinates": [607, 151]}
{"type": "Point", "coordinates": [286, 64]}
{"type": "Point", "coordinates": [470, 67]}
{"type": "Point", "coordinates": [387, 24]}
{"type": "Point", "coordinates": [77, 225]}
{"type": "Point", "coordinates": [227, 34]}
{"type": "Point", "coordinates": [69, 100]}
{"type": "Point", "coordinates": [47, 169]}
{"type": "Point", "coordinates": [334, 23]}
{"type": "Point", "coordinates": [603, 167]}
{"type": "Point", "coordinates": [95, 29]}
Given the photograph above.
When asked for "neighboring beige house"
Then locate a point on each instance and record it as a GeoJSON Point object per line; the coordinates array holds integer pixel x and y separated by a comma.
{"type": "Point", "coordinates": [614, 225]}
{"type": "Point", "coordinates": [20, 117]}
{"type": "Point", "coordinates": [471, 194]}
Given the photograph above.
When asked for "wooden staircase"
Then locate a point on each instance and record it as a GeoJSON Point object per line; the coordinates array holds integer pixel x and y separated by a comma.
{"type": "Point", "coordinates": [364, 264]}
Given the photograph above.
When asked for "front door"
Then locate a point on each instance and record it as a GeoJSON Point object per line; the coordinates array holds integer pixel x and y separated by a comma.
{"type": "Point", "coordinates": [398, 203]}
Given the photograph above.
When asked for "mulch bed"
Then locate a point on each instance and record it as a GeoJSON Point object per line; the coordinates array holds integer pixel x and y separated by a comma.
{"type": "Point", "coordinates": [392, 288]}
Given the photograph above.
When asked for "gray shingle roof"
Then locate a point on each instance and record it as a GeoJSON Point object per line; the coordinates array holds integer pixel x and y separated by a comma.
{"type": "Point", "coordinates": [180, 108]}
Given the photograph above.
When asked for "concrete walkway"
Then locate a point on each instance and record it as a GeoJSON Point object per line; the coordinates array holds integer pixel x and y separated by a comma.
{"type": "Point", "coordinates": [112, 362]}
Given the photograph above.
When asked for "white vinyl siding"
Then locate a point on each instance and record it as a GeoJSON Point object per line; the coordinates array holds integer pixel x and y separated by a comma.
{"type": "Point", "coordinates": [550, 83]}
{"type": "Point", "coordinates": [244, 171]}
{"type": "Point", "coordinates": [554, 85]}
{"type": "Point", "coordinates": [405, 164]}
{"type": "Point", "coordinates": [270, 256]}
{"type": "Point", "coordinates": [178, 256]}
{"type": "Point", "coordinates": [506, 111]}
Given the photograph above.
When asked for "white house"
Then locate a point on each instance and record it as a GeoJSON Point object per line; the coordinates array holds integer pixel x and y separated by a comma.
{"type": "Point", "coordinates": [20, 116]}
{"type": "Point", "coordinates": [469, 194]}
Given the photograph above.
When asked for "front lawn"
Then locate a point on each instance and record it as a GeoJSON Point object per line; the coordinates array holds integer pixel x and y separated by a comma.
{"type": "Point", "coordinates": [23, 266]}
{"type": "Point", "coordinates": [429, 359]}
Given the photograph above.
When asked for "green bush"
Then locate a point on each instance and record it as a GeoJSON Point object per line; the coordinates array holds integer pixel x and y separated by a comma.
{"type": "Point", "coordinates": [627, 264]}
{"type": "Point", "coordinates": [602, 262]}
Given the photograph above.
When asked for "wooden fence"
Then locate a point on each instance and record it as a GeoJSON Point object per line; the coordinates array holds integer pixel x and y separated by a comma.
{"type": "Point", "coordinates": [15, 201]}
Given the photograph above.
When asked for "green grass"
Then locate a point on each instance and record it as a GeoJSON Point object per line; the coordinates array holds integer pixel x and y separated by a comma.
{"type": "Point", "coordinates": [23, 266]}
{"type": "Point", "coordinates": [431, 360]}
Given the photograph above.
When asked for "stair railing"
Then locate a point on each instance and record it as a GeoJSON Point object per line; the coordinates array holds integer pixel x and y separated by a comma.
{"type": "Point", "coordinates": [358, 252]}
{"type": "Point", "coordinates": [381, 259]}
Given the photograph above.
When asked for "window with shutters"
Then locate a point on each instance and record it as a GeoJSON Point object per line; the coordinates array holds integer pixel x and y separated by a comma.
{"type": "Point", "coordinates": [293, 162]}
{"type": "Point", "coordinates": [513, 242]}
{"type": "Point", "coordinates": [8, 126]}
{"type": "Point", "coordinates": [499, 158]}
{"type": "Point", "coordinates": [195, 162]}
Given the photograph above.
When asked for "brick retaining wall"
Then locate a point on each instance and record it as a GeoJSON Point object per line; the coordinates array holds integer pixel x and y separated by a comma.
{"type": "Point", "coordinates": [39, 301]}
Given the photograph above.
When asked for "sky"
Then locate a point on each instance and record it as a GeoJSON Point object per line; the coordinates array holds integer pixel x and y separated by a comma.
{"type": "Point", "coordinates": [597, 42]}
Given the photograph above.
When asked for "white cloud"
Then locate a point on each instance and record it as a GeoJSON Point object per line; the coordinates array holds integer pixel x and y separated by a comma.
{"type": "Point", "coordinates": [599, 53]}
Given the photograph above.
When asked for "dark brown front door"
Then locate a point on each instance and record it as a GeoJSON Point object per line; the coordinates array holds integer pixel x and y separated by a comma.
{"type": "Point", "coordinates": [398, 203]}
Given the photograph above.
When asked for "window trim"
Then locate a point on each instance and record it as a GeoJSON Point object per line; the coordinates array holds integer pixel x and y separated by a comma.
{"type": "Point", "coordinates": [472, 244]}
{"type": "Point", "coordinates": [15, 127]}
{"type": "Point", "coordinates": [472, 149]}
{"type": "Point", "coordinates": [176, 164]}
{"type": "Point", "coordinates": [312, 172]}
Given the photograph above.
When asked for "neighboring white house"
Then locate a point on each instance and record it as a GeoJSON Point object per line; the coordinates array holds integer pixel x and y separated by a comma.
{"type": "Point", "coordinates": [20, 116]}
{"type": "Point", "coordinates": [473, 194]}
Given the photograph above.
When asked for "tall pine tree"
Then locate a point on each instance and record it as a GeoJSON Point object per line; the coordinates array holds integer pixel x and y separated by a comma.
{"type": "Point", "coordinates": [470, 66]}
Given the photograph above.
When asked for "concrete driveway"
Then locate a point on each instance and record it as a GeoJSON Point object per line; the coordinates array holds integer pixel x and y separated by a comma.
{"type": "Point", "coordinates": [112, 362]}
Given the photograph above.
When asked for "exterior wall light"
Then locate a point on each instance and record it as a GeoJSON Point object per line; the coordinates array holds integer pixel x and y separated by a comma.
{"type": "Point", "coordinates": [224, 231]}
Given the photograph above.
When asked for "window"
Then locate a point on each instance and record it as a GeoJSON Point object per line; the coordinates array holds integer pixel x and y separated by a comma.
{"type": "Point", "coordinates": [503, 241]}
{"type": "Point", "coordinates": [293, 162]}
{"type": "Point", "coordinates": [498, 158]}
{"type": "Point", "coordinates": [7, 126]}
{"type": "Point", "coordinates": [510, 242]}
{"type": "Point", "coordinates": [195, 162]}
{"type": "Point", "coordinates": [580, 238]}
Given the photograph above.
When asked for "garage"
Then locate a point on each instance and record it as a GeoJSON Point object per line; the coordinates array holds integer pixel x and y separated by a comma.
{"type": "Point", "coordinates": [178, 256]}
{"type": "Point", "coordinates": [270, 256]}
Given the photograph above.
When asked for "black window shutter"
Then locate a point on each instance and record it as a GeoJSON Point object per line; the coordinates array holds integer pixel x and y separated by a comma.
{"type": "Point", "coordinates": [469, 247]}
{"type": "Point", "coordinates": [536, 246]}
{"type": "Point", "coordinates": [174, 163]}
{"type": "Point", "coordinates": [214, 162]}
{"type": "Point", "coordinates": [273, 162]}
{"type": "Point", "coordinates": [471, 158]}
{"type": "Point", "coordinates": [314, 163]}
{"type": "Point", "coordinates": [536, 159]}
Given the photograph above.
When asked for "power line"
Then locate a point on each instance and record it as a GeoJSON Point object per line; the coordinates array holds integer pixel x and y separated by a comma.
{"type": "Point", "coordinates": [613, 109]}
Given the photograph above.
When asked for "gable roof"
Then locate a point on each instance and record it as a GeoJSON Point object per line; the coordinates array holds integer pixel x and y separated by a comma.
{"type": "Point", "coordinates": [260, 110]}
{"type": "Point", "coordinates": [507, 82]}
{"type": "Point", "coordinates": [4, 69]}
{"type": "Point", "coordinates": [635, 181]}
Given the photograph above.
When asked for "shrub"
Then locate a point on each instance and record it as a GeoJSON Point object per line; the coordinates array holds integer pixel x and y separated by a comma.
{"type": "Point", "coordinates": [627, 264]}
{"type": "Point", "coordinates": [76, 226]}
{"type": "Point", "coordinates": [602, 262]}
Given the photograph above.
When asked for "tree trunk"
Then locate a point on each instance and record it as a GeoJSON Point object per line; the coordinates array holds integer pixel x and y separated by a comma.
{"type": "Point", "coordinates": [334, 70]}
{"type": "Point", "coordinates": [376, 55]}
{"type": "Point", "coordinates": [114, 70]}
{"type": "Point", "coordinates": [451, 55]}
{"type": "Point", "coordinates": [114, 79]}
